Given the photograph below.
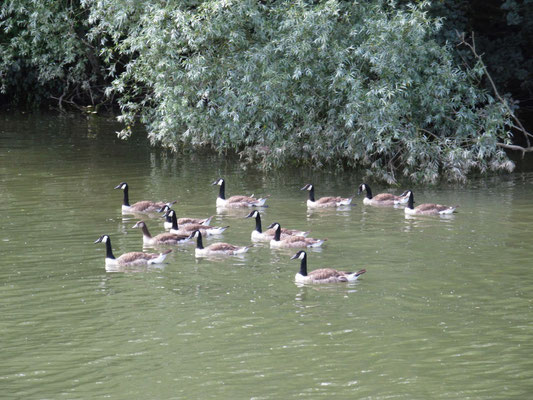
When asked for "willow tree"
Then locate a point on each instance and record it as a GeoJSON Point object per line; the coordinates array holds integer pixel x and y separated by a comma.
{"type": "Point", "coordinates": [343, 84]}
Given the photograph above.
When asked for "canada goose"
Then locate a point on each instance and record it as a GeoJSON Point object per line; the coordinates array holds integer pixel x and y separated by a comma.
{"type": "Point", "coordinates": [382, 199]}
{"type": "Point", "coordinates": [220, 248]}
{"type": "Point", "coordinates": [426, 208]}
{"type": "Point", "coordinates": [133, 258]}
{"type": "Point", "coordinates": [188, 228]}
{"type": "Point", "coordinates": [182, 221]}
{"type": "Point", "coordinates": [324, 201]}
{"type": "Point", "coordinates": [259, 236]}
{"type": "Point", "coordinates": [323, 275]}
{"type": "Point", "coordinates": [144, 206]}
{"type": "Point", "coordinates": [162, 238]}
{"type": "Point", "coordinates": [235, 201]}
{"type": "Point", "coordinates": [291, 241]}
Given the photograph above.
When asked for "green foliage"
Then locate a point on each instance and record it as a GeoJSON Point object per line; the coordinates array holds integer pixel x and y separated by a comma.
{"type": "Point", "coordinates": [320, 83]}
{"type": "Point", "coordinates": [43, 51]}
{"type": "Point", "coordinates": [341, 84]}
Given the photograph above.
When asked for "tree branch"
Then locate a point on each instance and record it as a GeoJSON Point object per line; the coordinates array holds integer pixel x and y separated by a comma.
{"type": "Point", "coordinates": [520, 127]}
{"type": "Point", "coordinates": [524, 150]}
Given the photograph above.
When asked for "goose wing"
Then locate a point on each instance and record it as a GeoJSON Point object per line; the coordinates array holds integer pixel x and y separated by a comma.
{"type": "Point", "coordinates": [170, 237]}
{"type": "Point", "coordinates": [222, 247]}
{"type": "Point", "coordinates": [325, 275]}
{"type": "Point", "coordinates": [241, 199]}
{"type": "Point", "coordinates": [385, 197]}
{"type": "Point", "coordinates": [431, 207]}
{"type": "Point", "coordinates": [146, 205]}
{"type": "Point", "coordinates": [329, 199]}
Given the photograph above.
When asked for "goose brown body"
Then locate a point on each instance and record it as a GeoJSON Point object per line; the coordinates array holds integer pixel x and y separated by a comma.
{"type": "Point", "coordinates": [183, 220]}
{"type": "Point", "coordinates": [162, 238]}
{"type": "Point", "coordinates": [323, 202]}
{"type": "Point", "coordinates": [427, 208]}
{"type": "Point", "coordinates": [292, 241]}
{"type": "Point", "coordinates": [219, 248]}
{"type": "Point", "coordinates": [144, 206]}
{"type": "Point", "coordinates": [259, 235]}
{"type": "Point", "coordinates": [322, 275]}
{"type": "Point", "coordinates": [237, 201]}
{"type": "Point", "coordinates": [133, 258]}
{"type": "Point", "coordinates": [381, 199]}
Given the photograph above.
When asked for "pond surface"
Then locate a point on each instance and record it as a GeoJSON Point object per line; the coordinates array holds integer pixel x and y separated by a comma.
{"type": "Point", "coordinates": [445, 310]}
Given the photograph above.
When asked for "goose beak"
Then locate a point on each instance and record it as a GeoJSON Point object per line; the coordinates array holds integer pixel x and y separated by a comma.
{"type": "Point", "coordinates": [98, 240]}
{"type": "Point", "coordinates": [215, 183]}
{"type": "Point", "coordinates": [249, 215]}
{"type": "Point", "coordinates": [118, 186]}
{"type": "Point", "coordinates": [294, 256]}
{"type": "Point", "coordinates": [136, 225]}
{"type": "Point", "coordinates": [305, 187]}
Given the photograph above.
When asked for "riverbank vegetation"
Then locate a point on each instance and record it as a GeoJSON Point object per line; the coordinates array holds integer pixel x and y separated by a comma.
{"type": "Point", "coordinates": [375, 85]}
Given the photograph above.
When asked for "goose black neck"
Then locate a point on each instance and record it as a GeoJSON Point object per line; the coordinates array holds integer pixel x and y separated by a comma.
{"type": "Point", "coordinates": [108, 250]}
{"type": "Point", "coordinates": [411, 201]}
{"type": "Point", "coordinates": [277, 234]}
{"type": "Point", "coordinates": [258, 223]}
{"type": "Point", "coordinates": [126, 197]}
{"type": "Point", "coordinates": [303, 266]}
{"type": "Point", "coordinates": [312, 194]}
{"type": "Point", "coordinates": [174, 222]}
{"type": "Point", "coordinates": [222, 191]}
{"type": "Point", "coordinates": [368, 192]}
{"type": "Point", "coordinates": [199, 243]}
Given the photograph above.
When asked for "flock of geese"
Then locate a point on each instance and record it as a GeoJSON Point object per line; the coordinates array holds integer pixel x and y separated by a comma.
{"type": "Point", "coordinates": [183, 230]}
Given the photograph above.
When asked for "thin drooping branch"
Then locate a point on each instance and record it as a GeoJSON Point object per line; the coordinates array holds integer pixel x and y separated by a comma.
{"type": "Point", "coordinates": [515, 147]}
{"type": "Point", "coordinates": [520, 127]}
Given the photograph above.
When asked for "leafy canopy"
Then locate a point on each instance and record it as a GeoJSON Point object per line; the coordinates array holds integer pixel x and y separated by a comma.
{"type": "Point", "coordinates": [281, 82]}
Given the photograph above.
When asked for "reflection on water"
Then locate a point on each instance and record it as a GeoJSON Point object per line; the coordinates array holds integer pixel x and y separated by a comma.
{"type": "Point", "coordinates": [444, 310]}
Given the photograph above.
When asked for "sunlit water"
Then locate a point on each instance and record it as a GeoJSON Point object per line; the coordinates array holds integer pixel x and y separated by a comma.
{"type": "Point", "coordinates": [445, 310]}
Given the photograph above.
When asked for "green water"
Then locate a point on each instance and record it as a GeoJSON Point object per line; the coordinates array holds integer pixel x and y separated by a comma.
{"type": "Point", "coordinates": [445, 310]}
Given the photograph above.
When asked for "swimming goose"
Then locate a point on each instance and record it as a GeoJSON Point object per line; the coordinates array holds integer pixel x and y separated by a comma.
{"type": "Point", "coordinates": [259, 236]}
{"type": "Point", "coordinates": [291, 241]}
{"type": "Point", "coordinates": [133, 258]}
{"type": "Point", "coordinates": [188, 228]}
{"type": "Point", "coordinates": [162, 238]}
{"type": "Point", "coordinates": [324, 201]}
{"type": "Point", "coordinates": [220, 248]}
{"type": "Point", "coordinates": [382, 199]}
{"type": "Point", "coordinates": [235, 201]}
{"type": "Point", "coordinates": [182, 221]}
{"type": "Point", "coordinates": [426, 208]}
{"type": "Point", "coordinates": [144, 206]}
{"type": "Point", "coordinates": [323, 275]}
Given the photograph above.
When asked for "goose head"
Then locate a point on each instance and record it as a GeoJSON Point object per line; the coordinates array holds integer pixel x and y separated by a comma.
{"type": "Point", "coordinates": [122, 185]}
{"type": "Point", "coordinates": [274, 225]}
{"type": "Point", "coordinates": [253, 214]}
{"type": "Point", "coordinates": [219, 182]}
{"type": "Point", "coordinates": [164, 209]}
{"type": "Point", "coordinates": [308, 187]}
{"type": "Point", "coordinates": [300, 255]}
{"type": "Point", "coordinates": [361, 189]}
{"type": "Point", "coordinates": [139, 224]}
{"type": "Point", "coordinates": [102, 239]}
{"type": "Point", "coordinates": [195, 234]}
